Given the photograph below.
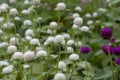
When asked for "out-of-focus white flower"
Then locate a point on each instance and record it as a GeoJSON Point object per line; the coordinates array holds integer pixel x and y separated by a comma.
{"type": "Point", "coordinates": [53, 25]}
{"type": "Point", "coordinates": [8, 25]}
{"type": "Point", "coordinates": [95, 14]}
{"type": "Point", "coordinates": [18, 55]}
{"type": "Point", "coordinates": [36, 2]}
{"type": "Point", "coordinates": [60, 6]}
{"type": "Point", "coordinates": [75, 15]}
{"type": "Point", "coordinates": [27, 23]}
{"type": "Point", "coordinates": [34, 41]}
{"type": "Point", "coordinates": [66, 36]}
{"type": "Point", "coordinates": [17, 18]}
{"type": "Point", "coordinates": [102, 10]}
{"type": "Point", "coordinates": [25, 12]}
{"type": "Point", "coordinates": [70, 42]}
{"type": "Point", "coordinates": [29, 32]}
{"type": "Point", "coordinates": [3, 63]}
{"type": "Point", "coordinates": [13, 12]}
{"type": "Point", "coordinates": [11, 49]}
{"type": "Point", "coordinates": [26, 2]}
{"type": "Point", "coordinates": [7, 70]}
{"type": "Point", "coordinates": [78, 8]}
{"type": "Point", "coordinates": [74, 57]}
{"type": "Point", "coordinates": [13, 41]}
{"type": "Point", "coordinates": [90, 22]}
{"type": "Point", "coordinates": [25, 66]}
{"type": "Point", "coordinates": [12, 1]}
{"type": "Point", "coordinates": [49, 40]}
{"type": "Point", "coordinates": [3, 44]}
{"type": "Point", "coordinates": [88, 15]}
{"type": "Point", "coordinates": [59, 76]}
{"type": "Point", "coordinates": [78, 21]}
{"type": "Point", "coordinates": [78, 44]}
{"type": "Point", "coordinates": [29, 56]}
{"type": "Point", "coordinates": [1, 19]}
{"type": "Point", "coordinates": [1, 31]}
{"type": "Point", "coordinates": [62, 66]}
{"type": "Point", "coordinates": [74, 26]}
{"type": "Point", "coordinates": [59, 39]}
{"type": "Point", "coordinates": [70, 50]}
{"type": "Point", "coordinates": [28, 38]}
{"type": "Point", "coordinates": [49, 31]}
{"type": "Point", "coordinates": [5, 5]}
{"type": "Point", "coordinates": [41, 53]}
{"type": "Point", "coordinates": [84, 28]}
{"type": "Point", "coordinates": [38, 49]}
{"type": "Point", "coordinates": [3, 9]}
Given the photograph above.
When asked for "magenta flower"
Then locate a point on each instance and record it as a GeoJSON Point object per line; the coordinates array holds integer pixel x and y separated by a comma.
{"type": "Point", "coordinates": [106, 33]}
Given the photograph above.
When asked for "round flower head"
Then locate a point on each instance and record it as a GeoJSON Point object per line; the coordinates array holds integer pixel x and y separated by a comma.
{"type": "Point", "coordinates": [66, 36]}
{"type": "Point", "coordinates": [7, 70]}
{"type": "Point", "coordinates": [70, 42]}
{"type": "Point", "coordinates": [59, 39]}
{"type": "Point", "coordinates": [18, 55]}
{"type": "Point", "coordinates": [36, 2]}
{"type": "Point", "coordinates": [60, 6]}
{"type": "Point", "coordinates": [117, 50]}
{"type": "Point", "coordinates": [12, 1]}
{"type": "Point", "coordinates": [78, 21]}
{"type": "Point", "coordinates": [53, 25]}
{"type": "Point", "coordinates": [29, 56]}
{"type": "Point", "coordinates": [75, 15]}
{"type": "Point", "coordinates": [27, 23]}
{"type": "Point", "coordinates": [41, 53]}
{"type": "Point", "coordinates": [85, 49]}
{"type": "Point", "coordinates": [106, 49]}
{"type": "Point", "coordinates": [106, 33]}
{"type": "Point", "coordinates": [59, 76]}
{"type": "Point", "coordinates": [112, 40]}
{"type": "Point", "coordinates": [74, 57]}
{"type": "Point", "coordinates": [70, 50]}
{"type": "Point", "coordinates": [84, 28]}
{"type": "Point", "coordinates": [13, 12]}
{"type": "Point", "coordinates": [118, 61]}
{"type": "Point", "coordinates": [62, 66]}
{"type": "Point", "coordinates": [29, 32]}
{"type": "Point", "coordinates": [34, 41]}
{"type": "Point", "coordinates": [13, 41]}
{"type": "Point", "coordinates": [26, 2]}
{"type": "Point", "coordinates": [3, 63]}
{"type": "Point", "coordinates": [3, 9]}
{"type": "Point", "coordinates": [11, 49]}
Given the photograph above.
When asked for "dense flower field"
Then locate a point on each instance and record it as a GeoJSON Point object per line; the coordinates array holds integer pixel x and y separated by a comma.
{"type": "Point", "coordinates": [59, 40]}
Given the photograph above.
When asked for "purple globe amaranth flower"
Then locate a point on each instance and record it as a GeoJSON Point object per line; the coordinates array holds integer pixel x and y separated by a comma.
{"type": "Point", "coordinates": [106, 49]}
{"type": "Point", "coordinates": [117, 50]}
{"type": "Point", "coordinates": [118, 61]}
{"type": "Point", "coordinates": [112, 40]}
{"type": "Point", "coordinates": [85, 49]}
{"type": "Point", "coordinates": [106, 33]}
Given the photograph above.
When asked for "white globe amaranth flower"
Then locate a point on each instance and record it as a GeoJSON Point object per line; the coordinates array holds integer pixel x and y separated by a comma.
{"type": "Point", "coordinates": [26, 2]}
{"type": "Point", "coordinates": [78, 21]}
{"type": "Point", "coordinates": [66, 36]}
{"type": "Point", "coordinates": [38, 49]}
{"type": "Point", "coordinates": [49, 31]}
{"type": "Point", "coordinates": [75, 15]}
{"type": "Point", "coordinates": [95, 14]}
{"type": "Point", "coordinates": [28, 38]}
{"type": "Point", "coordinates": [18, 55]}
{"type": "Point", "coordinates": [34, 41]}
{"type": "Point", "coordinates": [2, 19]}
{"type": "Point", "coordinates": [74, 26]}
{"type": "Point", "coordinates": [70, 50]}
{"type": "Point", "coordinates": [5, 5]}
{"type": "Point", "coordinates": [78, 8]}
{"type": "Point", "coordinates": [62, 65]}
{"type": "Point", "coordinates": [1, 31]}
{"type": "Point", "coordinates": [26, 66]}
{"type": "Point", "coordinates": [12, 1]}
{"type": "Point", "coordinates": [50, 40]}
{"type": "Point", "coordinates": [59, 39]}
{"type": "Point", "coordinates": [25, 12]}
{"type": "Point", "coordinates": [29, 56]}
{"type": "Point", "coordinates": [3, 9]}
{"type": "Point", "coordinates": [7, 70]}
{"type": "Point", "coordinates": [53, 56]}
{"type": "Point", "coordinates": [3, 63]}
{"type": "Point", "coordinates": [13, 12]}
{"type": "Point", "coordinates": [60, 6]}
{"type": "Point", "coordinates": [84, 28]}
{"type": "Point", "coordinates": [11, 49]}
{"type": "Point", "coordinates": [74, 57]}
{"type": "Point", "coordinates": [3, 44]}
{"type": "Point", "coordinates": [27, 23]}
{"type": "Point", "coordinates": [36, 2]}
{"type": "Point", "coordinates": [88, 15]}
{"type": "Point", "coordinates": [59, 76]}
{"type": "Point", "coordinates": [41, 53]}
{"type": "Point", "coordinates": [90, 22]}
{"type": "Point", "coordinates": [29, 32]}
{"type": "Point", "coordinates": [17, 18]}
{"type": "Point", "coordinates": [78, 44]}
{"type": "Point", "coordinates": [13, 41]}
{"type": "Point", "coordinates": [8, 25]}
{"type": "Point", "coordinates": [102, 10]}
{"type": "Point", "coordinates": [53, 25]}
{"type": "Point", "coordinates": [70, 42]}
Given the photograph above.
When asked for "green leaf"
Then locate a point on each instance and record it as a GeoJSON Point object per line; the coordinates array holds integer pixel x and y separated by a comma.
{"type": "Point", "coordinates": [103, 74]}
